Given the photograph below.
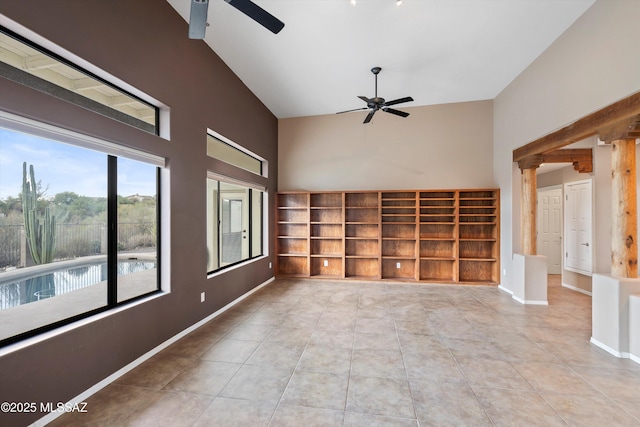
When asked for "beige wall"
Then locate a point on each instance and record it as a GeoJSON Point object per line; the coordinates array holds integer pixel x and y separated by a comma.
{"type": "Point", "coordinates": [440, 146]}
{"type": "Point", "coordinates": [587, 68]}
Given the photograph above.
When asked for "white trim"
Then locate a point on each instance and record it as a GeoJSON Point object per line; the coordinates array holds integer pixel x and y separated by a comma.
{"type": "Point", "coordinates": [574, 288]}
{"type": "Point", "coordinates": [235, 181]}
{"type": "Point", "coordinates": [503, 289]}
{"type": "Point", "coordinates": [634, 358]}
{"type": "Point", "coordinates": [616, 353]}
{"type": "Point", "coordinates": [111, 378]}
{"type": "Point", "coordinates": [529, 301]}
{"type": "Point", "coordinates": [235, 266]}
{"type": "Point", "coordinates": [56, 133]}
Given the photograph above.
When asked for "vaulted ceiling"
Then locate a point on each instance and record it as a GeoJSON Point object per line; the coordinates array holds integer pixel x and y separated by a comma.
{"type": "Point", "coordinates": [437, 51]}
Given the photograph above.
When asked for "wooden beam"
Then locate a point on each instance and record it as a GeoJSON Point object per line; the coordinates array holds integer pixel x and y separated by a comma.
{"type": "Point", "coordinates": [624, 232]}
{"type": "Point", "coordinates": [582, 158]}
{"type": "Point", "coordinates": [529, 211]}
{"type": "Point", "coordinates": [624, 129]}
{"type": "Point", "coordinates": [581, 129]}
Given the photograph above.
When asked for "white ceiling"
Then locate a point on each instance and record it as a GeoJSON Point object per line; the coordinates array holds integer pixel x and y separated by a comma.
{"type": "Point", "coordinates": [437, 51]}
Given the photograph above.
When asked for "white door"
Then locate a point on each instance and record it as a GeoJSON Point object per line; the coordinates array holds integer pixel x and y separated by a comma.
{"type": "Point", "coordinates": [234, 223]}
{"type": "Point", "coordinates": [550, 228]}
{"type": "Point", "coordinates": [578, 246]}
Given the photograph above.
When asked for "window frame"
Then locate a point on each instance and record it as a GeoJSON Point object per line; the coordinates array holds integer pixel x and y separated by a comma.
{"type": "Point", "coordinates": [218, 204]}
{"type": "Point", "coordinates": [111, 151]}
{"type": "Point", "coordinates": [241, 149]}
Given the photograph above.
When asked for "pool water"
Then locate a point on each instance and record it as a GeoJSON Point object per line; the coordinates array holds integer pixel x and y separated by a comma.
{"type": "Point", "coordinates": [62, 282]}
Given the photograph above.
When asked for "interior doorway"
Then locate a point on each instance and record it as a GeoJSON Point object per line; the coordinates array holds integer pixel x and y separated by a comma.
{"type": "Point", "coordinates": [549, 238]}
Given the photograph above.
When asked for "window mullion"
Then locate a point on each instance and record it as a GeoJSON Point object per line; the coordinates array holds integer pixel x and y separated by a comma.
{"type": "Point", "coordinates": [250, 225]}
{"type": "Point", "coordinates": [112, 231]}
{"type": "Point", "coordinates": [219, 236]}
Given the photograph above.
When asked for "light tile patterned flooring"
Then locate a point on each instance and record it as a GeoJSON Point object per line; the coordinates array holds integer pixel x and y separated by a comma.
{"type": "Point", "coordinates": [327, 353]}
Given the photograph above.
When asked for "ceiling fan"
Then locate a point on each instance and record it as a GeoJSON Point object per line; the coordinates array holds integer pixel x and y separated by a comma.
{"type": "Point", "coordinates": [199, 9]}
{"type": "Point", "coordinates": [374, 104]}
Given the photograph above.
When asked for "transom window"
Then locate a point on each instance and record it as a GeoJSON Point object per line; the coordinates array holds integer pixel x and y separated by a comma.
{"type": "Point", "coordinates": [31, 65]}
{"type": "Point", "coordinates": [228, 152]}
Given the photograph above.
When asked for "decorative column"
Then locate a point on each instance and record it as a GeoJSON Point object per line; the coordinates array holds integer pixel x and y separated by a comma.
{"type": "Point", "coordinates": [624, 232]}
{"type": "Point", "coordinates": [529, 270]}
{"type": "Point", "coordinates": [528, 216]}
{"type": "Point", "coordinates": [611, 294]}
{"type": "Point", "coordinates": [528, 202]}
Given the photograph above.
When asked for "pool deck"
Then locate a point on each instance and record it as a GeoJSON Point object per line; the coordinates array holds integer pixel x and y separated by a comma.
{"type": "Point", "coordinates": [23, 318]}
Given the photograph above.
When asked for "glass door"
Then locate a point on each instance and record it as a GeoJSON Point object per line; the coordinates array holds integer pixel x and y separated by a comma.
{"type": "Point", "coordinates": [234, 224]}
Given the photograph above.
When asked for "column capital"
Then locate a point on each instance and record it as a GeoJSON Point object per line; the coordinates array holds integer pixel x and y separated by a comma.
{"type": "Point", "coordinates": [628, 128]}
{"type": "Point", "coordinates": [532, 161]}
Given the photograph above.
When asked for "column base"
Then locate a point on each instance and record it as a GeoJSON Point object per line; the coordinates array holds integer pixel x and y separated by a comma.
{"type": "Point", "coordinates": [634, 328]}
{"type": "Point", "coordinates": [530, 279]}
{"type": "Point", "coordinates": [610, 326]}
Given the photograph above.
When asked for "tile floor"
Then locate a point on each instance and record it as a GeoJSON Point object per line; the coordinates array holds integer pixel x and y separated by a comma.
{"type": "Point", "coordinates": [323, 353]}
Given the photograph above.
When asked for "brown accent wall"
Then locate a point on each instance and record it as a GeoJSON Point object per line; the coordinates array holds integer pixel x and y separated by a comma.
{"type": "Point", "coordinates": [144, 43]}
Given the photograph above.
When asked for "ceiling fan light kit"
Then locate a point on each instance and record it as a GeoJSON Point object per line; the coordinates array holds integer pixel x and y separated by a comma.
{"type": "Point", "coordinates": [377, 103]}
{"type": "Point", "coordinates": [200, 8]}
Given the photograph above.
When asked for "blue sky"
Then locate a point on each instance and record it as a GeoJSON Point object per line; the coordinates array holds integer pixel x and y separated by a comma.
{"type": "Point", "coordinates": [64, 167]}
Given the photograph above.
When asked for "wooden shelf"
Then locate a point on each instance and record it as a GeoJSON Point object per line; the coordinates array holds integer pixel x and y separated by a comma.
{"type": "Point", "coordinates": [326, 266]}
{"type": "Point", "coordinates": [449, 236]}
{"type": "Point", "coordinates": [398, 268]}
{"type": "Point", "coordinates": [291, 265]}
{"type": "Point", "coordinates": [362, 268]}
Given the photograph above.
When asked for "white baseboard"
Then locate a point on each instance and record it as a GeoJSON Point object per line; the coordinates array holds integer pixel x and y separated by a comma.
{"type": "Point", "coordinates": [503, 289]}
{"type": "Point", "coordinates": [573, 288]}
{"type": "Point", "coordinates": [529, 302]}
{"type": "Point", "coordinates": [616, 353]}
{"type": "Point", "coordinates": [634, 358]}
{"type": "Point", "coordinates": [111, 378]}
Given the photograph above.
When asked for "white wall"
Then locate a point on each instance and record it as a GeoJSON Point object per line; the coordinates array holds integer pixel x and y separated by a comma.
{"type": "Point", "coordinates": [436, 147]}
{"type": "Point", "coordinates": [593, 64]}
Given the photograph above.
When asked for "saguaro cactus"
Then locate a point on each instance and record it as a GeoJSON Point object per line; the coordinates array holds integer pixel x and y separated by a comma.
{"type": "Point", "coordinates": [39, 231]}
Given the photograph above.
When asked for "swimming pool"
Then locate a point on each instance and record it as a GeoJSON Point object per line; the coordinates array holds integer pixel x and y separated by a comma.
{"type": "Point", "coordinates": [67, 279]}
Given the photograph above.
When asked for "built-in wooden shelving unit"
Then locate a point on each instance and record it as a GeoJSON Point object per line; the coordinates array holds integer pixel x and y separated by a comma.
{"type": "Point", "coordinates": [362, 235]}
{"type": "Point", "coordinates": [443, 236]}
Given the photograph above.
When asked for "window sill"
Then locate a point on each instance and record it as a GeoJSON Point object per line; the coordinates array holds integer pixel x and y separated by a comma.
{"type": "Point", "coordinates": [234, 267]}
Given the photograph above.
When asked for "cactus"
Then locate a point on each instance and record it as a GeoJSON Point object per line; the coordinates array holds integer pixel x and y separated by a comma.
{"type": "Point", "coordinates": [39, 231]}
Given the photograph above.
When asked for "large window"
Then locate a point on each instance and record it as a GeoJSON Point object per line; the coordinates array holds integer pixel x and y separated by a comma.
{"type": "Point", "coordinates": [234, 208]}
{"type": "Point", "coordinates": [78, 226]}
{"type": "Point", "coordinates": [234, 223]}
